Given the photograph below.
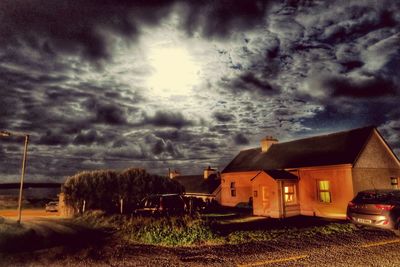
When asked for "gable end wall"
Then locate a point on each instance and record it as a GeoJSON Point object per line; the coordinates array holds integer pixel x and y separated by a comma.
{"type": "Point", "coordinates": [341, 189]}
{"type": "Point", "coordinates": [375, 165]}
{"type": "Point", "coordinates": [243, 187]}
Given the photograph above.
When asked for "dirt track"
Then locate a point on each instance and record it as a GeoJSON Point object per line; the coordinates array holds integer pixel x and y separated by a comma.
{"type": "Point", "coordinates": [28, 214]}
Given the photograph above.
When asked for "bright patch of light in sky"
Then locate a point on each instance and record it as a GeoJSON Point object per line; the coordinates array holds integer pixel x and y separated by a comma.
{"type": "Point", "coordinates": [175, 72]}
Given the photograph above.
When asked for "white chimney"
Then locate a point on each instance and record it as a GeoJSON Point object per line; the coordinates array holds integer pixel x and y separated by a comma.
{"type": "Point", "coordinates": [267, 142]}
{"type": "Point", "coordinates": [173, 174]}
{"type": "Point", "coordinates": [208, 171]}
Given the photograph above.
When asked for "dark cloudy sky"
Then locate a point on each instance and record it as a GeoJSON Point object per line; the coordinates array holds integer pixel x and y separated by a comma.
{"type": "Point", "coordinates": [187, 84]}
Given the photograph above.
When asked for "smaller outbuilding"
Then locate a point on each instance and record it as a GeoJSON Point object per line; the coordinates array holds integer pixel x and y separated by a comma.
{"type": "Point", "coordinates": [206, 186]}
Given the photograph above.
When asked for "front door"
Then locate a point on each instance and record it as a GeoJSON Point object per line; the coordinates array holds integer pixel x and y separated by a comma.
{"type": "Point", "coordinates": [290, 199]}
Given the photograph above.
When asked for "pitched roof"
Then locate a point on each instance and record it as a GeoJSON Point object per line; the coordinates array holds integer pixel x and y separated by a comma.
{"type": "Point", "coordinates": [330, 149]}
{"type": "Point", "coordinates": [197, 183]}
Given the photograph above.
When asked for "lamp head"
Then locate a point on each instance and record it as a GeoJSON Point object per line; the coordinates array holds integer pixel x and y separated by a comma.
{"type": "Point", "coordinates": [5, 133]}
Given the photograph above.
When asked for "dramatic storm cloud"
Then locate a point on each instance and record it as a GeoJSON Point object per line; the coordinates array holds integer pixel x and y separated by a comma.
{"type": "Point", "coordinates": [187, 84]}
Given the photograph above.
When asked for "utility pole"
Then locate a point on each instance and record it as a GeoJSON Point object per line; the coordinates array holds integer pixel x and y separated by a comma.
{"type": "Point", "coordinates": [24, 158]}
{"type": "Point", "coordinates": [22, 177]}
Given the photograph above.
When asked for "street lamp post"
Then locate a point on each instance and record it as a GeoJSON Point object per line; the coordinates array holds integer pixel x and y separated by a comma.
{"type": "Point", "coordinates": [26, 136]}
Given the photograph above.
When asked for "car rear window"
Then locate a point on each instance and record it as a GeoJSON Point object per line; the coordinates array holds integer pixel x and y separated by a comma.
{"type": "Point", "coordinates": [376, 196]}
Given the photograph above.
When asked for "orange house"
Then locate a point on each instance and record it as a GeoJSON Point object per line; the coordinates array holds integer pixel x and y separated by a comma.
{"type": "Point", "coordinates": [314, 176]}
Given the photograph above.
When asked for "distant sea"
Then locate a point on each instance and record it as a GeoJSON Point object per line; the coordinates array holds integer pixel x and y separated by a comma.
{"type": "Point", "coordinates": [33, 197]}
{"type": "Point", "coordinates": [32, 193]}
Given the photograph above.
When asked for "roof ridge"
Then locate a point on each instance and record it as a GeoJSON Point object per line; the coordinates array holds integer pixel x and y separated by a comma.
{"type": "Point", "coordinates": [254, 148]}
{"type": "Point", "coordinates": [327, 134]}
{"type": "Point", "coordinates": [315, 136]}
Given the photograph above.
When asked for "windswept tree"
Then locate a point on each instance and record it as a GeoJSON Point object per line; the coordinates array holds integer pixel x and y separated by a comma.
{"type": "Point", "coordinates": [113, 191]}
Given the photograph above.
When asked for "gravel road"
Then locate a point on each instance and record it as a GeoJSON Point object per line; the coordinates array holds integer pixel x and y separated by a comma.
{"type": "Point", "coordinates": [361, 248]}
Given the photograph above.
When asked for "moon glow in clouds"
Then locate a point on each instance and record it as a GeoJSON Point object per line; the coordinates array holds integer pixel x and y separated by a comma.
{"type": "Point", "coordinates": [187, 84]}
{"type": "Point", "coordinates": [174, 71]}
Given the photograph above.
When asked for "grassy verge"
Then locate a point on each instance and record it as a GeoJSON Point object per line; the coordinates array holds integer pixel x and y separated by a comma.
{"type": "Point", "coordinates": [165, 231]}
{"type": "Point", "coordinates": [209, 230]}
{"type": "Point", "coordinates": [14, 236]}
{"type": "Point", "coordinates": [240, 237]}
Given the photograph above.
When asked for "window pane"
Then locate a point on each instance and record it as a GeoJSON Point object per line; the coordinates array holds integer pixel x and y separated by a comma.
{"type": "Point", "coordinates": [289, 195]}
{"type": "Point", "coordinates": [289, 198]}
{"type": "Point", "coordinates": [325, 197]}
{"type": "Point", "coordinates": [232, 184]}
{"type": "Point", "coordinates": [233, 193]}
{"type": "Point", "coordinates": [324, 185]}
{"type": "Point", "coordinates": [289, 189]}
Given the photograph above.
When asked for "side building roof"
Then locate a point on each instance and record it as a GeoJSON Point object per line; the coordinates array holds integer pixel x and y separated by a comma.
{"type": "Point", "coordinates": [197, 184]}
{"type": "Point", "coordinates": [331, 149]}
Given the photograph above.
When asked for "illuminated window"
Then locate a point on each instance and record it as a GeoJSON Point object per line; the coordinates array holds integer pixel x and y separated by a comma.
{"type": "Point", "coordinates": [255, 193]}
{"type": "Point", "coordinates": [233, 189]}
{"type": "Point", "coordinates": [324, 192]}
{"type": "Point", "coordinates": [289, 194]}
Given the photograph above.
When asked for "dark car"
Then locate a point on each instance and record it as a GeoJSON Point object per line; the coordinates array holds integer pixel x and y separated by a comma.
{"type": "Point", "coordinates": [376, 208]}
{"type": "Point", "coordinates": [166, 204]}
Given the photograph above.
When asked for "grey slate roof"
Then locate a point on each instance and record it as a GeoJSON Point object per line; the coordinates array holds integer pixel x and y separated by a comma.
{"type": "Point", "coordinates": [324, 150]}
{"type": "Point", "coordinates": [197, 183]}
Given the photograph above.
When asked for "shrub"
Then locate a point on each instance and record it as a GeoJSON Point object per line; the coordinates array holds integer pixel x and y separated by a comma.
{"type": "Point", "coordinates": [171, 231]}
{"type": "Point", "coordinates": [165, 231]}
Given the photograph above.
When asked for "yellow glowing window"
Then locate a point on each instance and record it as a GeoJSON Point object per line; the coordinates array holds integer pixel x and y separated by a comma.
{"type": "Point", "coordinates": [324, 191]}
{"type": "Point", "coordinates": [289, 194]}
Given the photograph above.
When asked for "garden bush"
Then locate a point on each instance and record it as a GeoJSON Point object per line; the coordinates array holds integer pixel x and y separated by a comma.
{"type": "Point", "coordinates": [166, 231]}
